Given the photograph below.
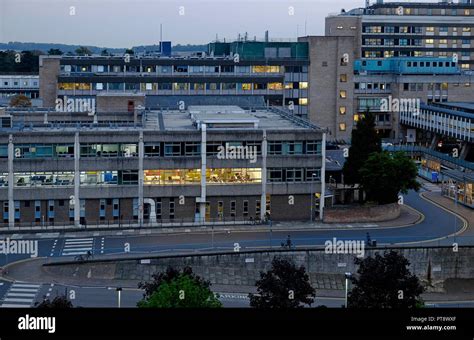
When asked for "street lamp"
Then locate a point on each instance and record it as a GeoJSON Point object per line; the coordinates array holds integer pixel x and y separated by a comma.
{"type": "Point", "coordinates": [348, 276]}
{"type": "Point", "coordinates": [119, 292]}
{"type": "Point", "coordinates": [313, 176]}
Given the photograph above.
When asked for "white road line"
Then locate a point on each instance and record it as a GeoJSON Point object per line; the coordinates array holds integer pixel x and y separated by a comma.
{"type": "Point", "coordinates": [7, 305]}
{"type": "Point", "coordinates": [26, 285]}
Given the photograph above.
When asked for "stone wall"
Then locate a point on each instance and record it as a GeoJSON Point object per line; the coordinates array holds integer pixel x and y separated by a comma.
{"type": "Point", "coordinates": [432, 265]}
{"type": "Point", "coordinates": [361, 214]}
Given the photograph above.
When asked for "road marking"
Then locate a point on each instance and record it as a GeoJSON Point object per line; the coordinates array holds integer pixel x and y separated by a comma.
{"type": "Point", "coordinates": [102, 245]}
{"type": "Point", "coordinates": [77, 246]}
{"type": "Point", "coordinates": [20, 295]}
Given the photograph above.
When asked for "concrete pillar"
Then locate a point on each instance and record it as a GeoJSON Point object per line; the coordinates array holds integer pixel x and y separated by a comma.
{"type": "Point", "coordinates": [202, 199]}
{"type": "Point", "coordinates": [434, 141]}
{"type": "Point", "coordinates": [141, 153]}
{"type": "Point", "coordinates": [77, 181]}
{"type": "Point", "coordinates": [465, 148]}
{"type": "Point", "coordinates": [11, 184]}
{"type": "Point", "coordinates": [323, 177]}
{"type": "Point", "coordinates": [263, 198]}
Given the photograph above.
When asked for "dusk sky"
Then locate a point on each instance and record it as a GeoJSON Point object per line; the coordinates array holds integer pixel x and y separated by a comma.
{"type": "Point", "coordinates": [126, 23]}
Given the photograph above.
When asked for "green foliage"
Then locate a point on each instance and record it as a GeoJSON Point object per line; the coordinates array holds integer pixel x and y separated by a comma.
{"type": "Point", "coordinates": [104, 52]}
{"type": "Point", "coordinates": [283, 286]}
{"type": "Point", "coordinates": [384, 176]}
{"type": "Point", "coordinates": [175, 289]}
{"type": "Point", "coordinates": [60, 301]}
{"type": "Point", "coordinates": [83, 51]}
{"type": "Point", "coordinates": [364, 141]}
{"type": "Point", "coordinates": [385, 282]}
{"type": "Point", "coordinates": [29, 61]}
{"type": "Point", "coordinates": [129, 51]}
{"type": "Point", "coordinates": [55, 51]}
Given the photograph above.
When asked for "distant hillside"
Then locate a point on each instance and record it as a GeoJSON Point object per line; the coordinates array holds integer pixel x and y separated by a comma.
{"type": "Point", "coordinates": [65, 48]}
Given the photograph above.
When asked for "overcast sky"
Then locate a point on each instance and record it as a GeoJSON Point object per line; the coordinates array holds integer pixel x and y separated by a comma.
{"type": "Point", "coordinates": [126, 23]}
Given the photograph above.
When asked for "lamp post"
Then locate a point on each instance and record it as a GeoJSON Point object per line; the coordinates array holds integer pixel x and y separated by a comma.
{"type": "Point", "coordinates": [313, 176]}
{"type": "Point", "coordinates": [119, 292]}
{"type": "Point", "coordinates": [348, 276]}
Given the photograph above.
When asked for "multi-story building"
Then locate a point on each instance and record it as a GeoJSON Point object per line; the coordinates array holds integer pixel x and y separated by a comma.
{"type": "Point", "coordinates": [14, 84]}
{"type": "Point", "coordinates": [409, 29]}
{"type": "Point", "coordinates": [207, 163]}
{"type": "Point", "coordinates": [385, 52]}
{"type": "Point", "coordinates": [246, 73]}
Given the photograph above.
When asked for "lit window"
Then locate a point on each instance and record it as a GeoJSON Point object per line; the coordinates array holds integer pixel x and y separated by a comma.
{"type": "Point", "coordinates": [429, 41]}
{"type": "Point", "coordinates": [342, 94]}
{"type": "Point", "coordinates": [303, 101]}
{"type": "Point", "coordinates": [429, 29]}
{"type": "Point", "coordinates": [466, 29]}
{"type": "Point", "coordinates": [467, 12]}
{"type": "Point", "coordinates": [342, 126]}
{"type": "Point", "coordinates": [342, 110]}
{"type": "Point", "coordinates": [289, 86]}
{"type": "Point", "coordinates": [303, 84]}
{"type": "Point", "coordinates": [343, 78]}
{"type": "Point", "coordinates": [340, 27]}
{"type": "Point", "coordinates": [149, 86]}
{"type": "Point", "coordinates": [247, 86]}
{"type": "Point", "coordinates": [465, 66]}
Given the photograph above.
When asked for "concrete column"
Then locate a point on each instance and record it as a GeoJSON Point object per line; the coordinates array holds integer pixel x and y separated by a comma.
{"type": "Point", "coordinates": [263, 198]}
{"type": "Point", "coordinates": [141, 152]}
{"type": "Point", "coordinates": [202, 199]}
{"type": "Point", "coordinates": [11, 184]}
{"type": "Point", "coordinates": [77, 181]}
{"type": "Point", "coordinates": [323, 177]}
{"type": "Point", "coordinates": [434, 141]}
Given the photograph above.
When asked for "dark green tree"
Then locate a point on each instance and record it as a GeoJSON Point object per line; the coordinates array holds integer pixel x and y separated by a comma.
{"type": "Point", "coordinates": [129, 51]}
{"type": "Point", "coordinates": [283, 286]}
{"type": "Point", "coordinates": [385, 282]}
{"type": "Point", "coordinates": [83, 51]}
{"type": "Point", "coordinates": [104, 52]}
{"type": "Point", "coordinates": [364, 141]}
{"type": "Point", "coordinates": [384, 176]}
{"type": "Point", "coordinates": [60, 301]}
{"type": "Point", "coordinates": [55, 51]}
{"type": "Point", "coordinates": [181, 292]}
{"type": "Point", "coordinates": [175, 288]}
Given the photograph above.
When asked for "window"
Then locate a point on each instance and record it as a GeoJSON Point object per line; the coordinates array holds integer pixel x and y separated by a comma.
{"type": "Point", "coordinates": [303, 101]}
{"type": "Point", "coordinates": [342, 110]}
{"type": "Point", "coordinates": [158, 208]}
{"type": "Point", "coordinates": [275, 148]}
{"type": "Point", "coordinates": [192, 149]}
{"type": "Point", "coordinates": [343, 78]}
{"type": "Point", "coordinates": [342, 126]}
{"type": "Point", "coordinates": [294, 175]}
{"type": "Point", "coordinates": [220, 210]}
{"type": "Point", "coordinates": [313, 174]}
{"type": "Point", "coordinates": [172, 206]}
{"type": "Point", "coordinates": [313, 148]}
{"type": "Point", "coordinates": [258, 208]}
{"type": "Point", "coordinates": [303, 85]}
{"type": "Point", "coordinates": [429, 41]}
{"type": "Point", "coordinates": [232, 208]}
{"type": "Point", "coordinates": [172, 149]}
{"type": "Point", "coordinates": [342, 94]}
{"type": "Point", "coordinates": [275, 175]}
{"type": "Point", "coordinates": [293, 148]}
{"type": "Point", "coordinates": [246, 208]}
{"type": "Point", "coordinates": [152, 150]}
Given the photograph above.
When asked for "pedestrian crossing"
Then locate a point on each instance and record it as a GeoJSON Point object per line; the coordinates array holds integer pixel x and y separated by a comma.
{"type": "Point", "coordinates": [20, 295]}
{"type": "Point", "coordinates": [431, 187]}
{"type": "Point", "coordinates": [77, 246]}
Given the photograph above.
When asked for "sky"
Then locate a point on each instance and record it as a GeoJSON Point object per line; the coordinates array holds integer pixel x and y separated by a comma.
{"type": "Point", "coordinates": [127, 23]}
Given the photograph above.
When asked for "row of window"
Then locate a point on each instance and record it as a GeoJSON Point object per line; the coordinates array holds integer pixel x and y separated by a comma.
{"type": "Point", "coordinates": [413, 29]}
{"type": "Point", "coordinates": [120, 86]}
{"type": "Point", "coordinates": [170, 69]}
{"type": "Point", "coordinates": [158, 149]}
{"type": "Point", "coordinates": [161, 177]}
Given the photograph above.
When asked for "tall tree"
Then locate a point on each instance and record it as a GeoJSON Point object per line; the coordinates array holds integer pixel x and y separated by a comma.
{"type": "Point", "coordinates": [364, 141]}
{"type": "Point", "coordinates": [129, 51]}
{"type": "Point", "coordinates": [385, 282]}
{"type": "Point", "coordinates": [384, 176]}
{"type": "Point", "coordinates": [104, 52]}
{"type": "Point", "coordinates": [283, 286]}
{"type": "Point", "coordinates": [83, 51]}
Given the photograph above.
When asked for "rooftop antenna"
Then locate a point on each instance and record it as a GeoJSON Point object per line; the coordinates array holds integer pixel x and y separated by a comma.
{"type": "Point", "coordinates": [266, 36]}
{"type": "Point", "coordinates": [161, 38]}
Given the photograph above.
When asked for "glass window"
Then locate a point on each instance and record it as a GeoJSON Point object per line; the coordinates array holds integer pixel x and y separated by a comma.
{"type": "Point", "coordinates": [275, 148]}
{"type": "Point", "coordinates": [192, 148]}
{"type": "Point", "coordinates": [152, 150]}
{"type": "Point", "coordinates": [172, 149]}
{"type": "Point", "coordinates": [293, 148]}
{"type": "Point", "coordinates": [313, 148]}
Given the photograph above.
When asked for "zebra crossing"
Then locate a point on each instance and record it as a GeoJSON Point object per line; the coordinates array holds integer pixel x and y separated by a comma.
{"type": "Point", "coordinates": [431, 187]}
{"type": "Point", "coordinates": [20, 295]}
{"type": "Point", "coordinates": [77, 246]}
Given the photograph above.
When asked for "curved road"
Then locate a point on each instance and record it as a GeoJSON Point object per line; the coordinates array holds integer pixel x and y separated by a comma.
{"type": "Point", "coordinates": [437, 225]}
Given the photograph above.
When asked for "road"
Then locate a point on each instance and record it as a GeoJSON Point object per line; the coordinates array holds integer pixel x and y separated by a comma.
{"type": "Point", "coordinates": [434, 229]}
